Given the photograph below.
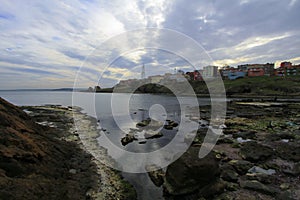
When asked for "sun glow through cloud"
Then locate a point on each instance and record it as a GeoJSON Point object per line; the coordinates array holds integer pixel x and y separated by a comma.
{"type": "Point", "coordinates": [50, 40]}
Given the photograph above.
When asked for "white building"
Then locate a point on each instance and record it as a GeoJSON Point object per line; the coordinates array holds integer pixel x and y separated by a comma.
{"type": "Point", "coordinates": [210, 71]}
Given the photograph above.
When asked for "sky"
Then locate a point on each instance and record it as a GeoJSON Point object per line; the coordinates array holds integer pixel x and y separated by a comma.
{"type": "Point", "coordinates": [56, 43]}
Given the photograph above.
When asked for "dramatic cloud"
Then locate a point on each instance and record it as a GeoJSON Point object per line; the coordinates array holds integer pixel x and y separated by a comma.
{"type": "Point", "coordinates": [45, 43]}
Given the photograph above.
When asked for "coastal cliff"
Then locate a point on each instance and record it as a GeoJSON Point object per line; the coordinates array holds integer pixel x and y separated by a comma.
{"type": "Point", "coordinates": [41, 158]}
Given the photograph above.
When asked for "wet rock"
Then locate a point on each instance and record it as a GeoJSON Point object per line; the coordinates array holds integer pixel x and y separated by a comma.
{"type": "Point", "coordinates": [286, 136]}
{"type": "Point", "coordinates": [156, 175]}
{"type": "Point", "coordinates": [149, 124]}
{"type": "Point", "coordinates": [12, 168]}
{"type": "Point", "coordinates": [189, 174]}
{"type": "Point", "coordinates": [152, 134]}
{"type": "Point", "coordinates": [252, 151]}
{"type": "Point", "coordinates": [259, 187]}
{"type": "Point", "coordinates": [288, 151]}
{"type": "Point", "coordinates": [225, 140]}
{"type": "Point", "coordinates": [293, 169]}
{"type": "Point", "coordinates": [35, 159]}
{"type": "Point", "coordinates": [212, 189]}
{"type": "Point", "coordinates": [284, 186]}
{"type": "Point", "coordinates": [127, 139]}
{"type": "Point", "coordinates": [241, 166]}
{"type": "Point", "coordinates": [296, 168]}
{"type": "Point", "coordinates": [287, 195]}
{"type": "Point", "coordinates": [143, 123]}
{"type": "Point", "coordinates": [168, 127]}
{"type": "Point", "coordinates": [170, 124]}
{"type": "Point", "coordinates": [245, 135]}
{"type": "Point", "coordinates": [263, 178]}
{"type": "Point", "coordinates": [229, 175]}
{"type": "Point", "coordinates": [232, 186]}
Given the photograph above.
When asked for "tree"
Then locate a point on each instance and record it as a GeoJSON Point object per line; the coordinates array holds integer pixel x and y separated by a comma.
{"type": "Point", "coordinates": [90, 89]}
{"type": "Point", "coordinates": [97, 88]}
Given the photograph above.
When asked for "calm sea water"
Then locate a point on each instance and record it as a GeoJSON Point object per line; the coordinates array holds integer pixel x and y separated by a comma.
{"type": "Point", "coordinates": [117, 113]}
{"type": "Point", "coordinates": [109, 109]}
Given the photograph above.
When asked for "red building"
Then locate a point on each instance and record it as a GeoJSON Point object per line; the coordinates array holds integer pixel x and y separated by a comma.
{"type": "Point", "coordinates": [287, 69]}
{"type": "Point", "coordinates": [256, 71]}
{"type": "Point", "coordinates": [286, 64]}
{"type": "Point", "coordinates": [195, 75]}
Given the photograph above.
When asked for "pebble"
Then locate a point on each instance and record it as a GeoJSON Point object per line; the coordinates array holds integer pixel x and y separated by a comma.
{"type": "Point", "coordinates": [72, 171]}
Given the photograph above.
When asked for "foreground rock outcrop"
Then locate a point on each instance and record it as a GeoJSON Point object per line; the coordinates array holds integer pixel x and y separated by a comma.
{"type": "Point", "coordinates": [41, 158]}
{"type": "Point", "coordinates": [256, 157]}
{"type": "Point", "coordinates": [189, 174]}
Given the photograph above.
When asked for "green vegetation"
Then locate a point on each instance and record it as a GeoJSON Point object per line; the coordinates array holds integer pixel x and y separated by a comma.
{"type": "Point", "coordinates": [248, 86]}
{"type": "Point", "coordinates": [264, 86]}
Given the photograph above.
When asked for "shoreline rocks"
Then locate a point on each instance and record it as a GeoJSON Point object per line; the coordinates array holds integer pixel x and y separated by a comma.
{"type": "Point", "coordinates": [50, 162]}
{"type": "Point", "coordinates": [258, 155]}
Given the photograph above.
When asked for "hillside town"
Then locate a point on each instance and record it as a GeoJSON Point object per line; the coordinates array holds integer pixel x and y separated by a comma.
{"type": "Point", "coordinates": [286, 69]}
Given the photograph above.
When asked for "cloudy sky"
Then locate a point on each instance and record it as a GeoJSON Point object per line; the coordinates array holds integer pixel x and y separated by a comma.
{"type": "Point", "coordinates": [45, 43]}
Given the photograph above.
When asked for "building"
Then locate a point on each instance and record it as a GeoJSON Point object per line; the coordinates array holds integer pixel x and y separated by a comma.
{"type": "Point", "coordinates": [287, 69]}
{"type": "Point", "coordinates": [269, 69]}
{"type": "Point", "coordinates": [198, 75]}
{"type": "Point", "coordinates": [210, 71]}
{"type": "Point", "coordinates": [232, 75]}
{"type": "Point", "coordinates": [286, 64]}
{"type": "Point", "coordinates": [256, 71]}
{"type": "Point", "coordinates": [225, 71]}
{"type": "Point", "coordinates": [280, 71]}
{"type": "Point", "coordinates": [243, 68]}
{"type": "Point", "coordinates": [195, 75]}
{"type": "Point", "coordinates": [156, 79]}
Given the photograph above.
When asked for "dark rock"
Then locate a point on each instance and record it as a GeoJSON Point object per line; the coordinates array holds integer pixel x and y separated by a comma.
{"type": "Point", "coordinates": [263, 178]}
{"type": "Point", "coordinates": [293, 170]}
{"type": "Point", "coordinates": [229, 175]}
{"type": "Point", "coordinates": [12, 168]}
{"type": "Point", "coordinates": [143, 123]}
{"type": "Point", "coordinates": [127, 139]}
{"type": "Point", "coordinates": [245, 135]}
{"type": "Point", "coordinates": [232, 186]}
{"type": "Point", "coordinates": [296, 168]}
{"type": "Point", "coordinates": [286, 136]}
{"type": "Point", "coordinates": [255, 152]}
{"type": "Point", "coordinates": [34, 159]}
{"type": "Point", "coordinates": [168, 127]}
{"type": "Point", "coordinates": [188, 174]}
{"type": "Point", "coordinates": [153, 134]}
{"type": "Point", "coordinates": [212, 189]}
{"type": "Point", "coordinates": [225, 140]}
{"type": "Point", "coordinates": [156, 175]}
{"type": "Point", "coordinates": [171, 124]}
{"type": "Point", "coordinates": [288, 151]}
{"type": "Point", "coordinates": [259, 187]}
{"type": "Point", "coordinates": [287, 195]}
{"type": "Point", "coordinates": [241, 166]}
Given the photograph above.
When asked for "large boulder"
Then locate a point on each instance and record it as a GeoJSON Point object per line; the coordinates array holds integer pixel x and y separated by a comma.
{"type": "Point", "coordinates": [190, 174]}
{"type": "Point", "coordinates": [254, 152]}
{"type": "Point", "coordinates": [241, 166]}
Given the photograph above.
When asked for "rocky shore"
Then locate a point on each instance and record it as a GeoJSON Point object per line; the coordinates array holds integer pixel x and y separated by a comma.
{"type": "Point", "coordinates": [42, 157]}
{"type": "Point", "coordinates": [257, 157]}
